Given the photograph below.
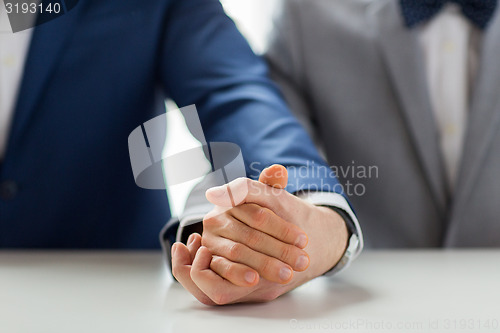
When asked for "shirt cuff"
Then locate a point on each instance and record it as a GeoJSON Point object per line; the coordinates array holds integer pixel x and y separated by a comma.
{"type": "Point", "coordinates": [338, 202]}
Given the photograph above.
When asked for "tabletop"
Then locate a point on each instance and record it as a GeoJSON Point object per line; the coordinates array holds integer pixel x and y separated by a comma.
{"type": "Point", "coordinates": [383, 291]}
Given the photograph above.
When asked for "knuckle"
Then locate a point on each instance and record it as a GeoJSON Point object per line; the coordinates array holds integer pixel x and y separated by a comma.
{"type": "Point", "coordinates": [286, 233]}
{"type": "Point", "coordinates": [205, 240]}
{"type": "Point", "coordinates": [220, 298]}
{"type": "Point", "coordinates": [266, 266]}
{"type": "Point", "coordinates": [209, 222]}
{"type": "Point", "coordinates": [235, 251]}
{"type": "Point", "coordinates": [226, 269]}
{"type": "Point", "coordinates": [215, 223]}
{"type": "Point", "coordinates": [285, 252]}
{"type": "Point", "coordinates": [230, 272]}
{"type": "Point", "coordinates": [228, 223]}
{"type": "Point", "coordinates": [215, 263]}
{"type": "Point", "coordinates": [259, 217]}
{"type": "Point", "coordinates": [254, 239]}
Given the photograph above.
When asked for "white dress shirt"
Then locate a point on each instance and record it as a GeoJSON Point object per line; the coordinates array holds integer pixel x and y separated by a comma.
{"type": "Point", "coordinates": [13, 51]}
{"type": "Point", "coordinates": [451, 50]}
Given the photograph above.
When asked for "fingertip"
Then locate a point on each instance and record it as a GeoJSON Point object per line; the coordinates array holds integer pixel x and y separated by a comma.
{"type": "Point", "coordinates": [175, 248]}
{"type": "Point", "coordinates": [219, 196]}
{"type": "Point", "coordinates": [203, 257]}
{"type": "Point", "coordinates": [302, 263]}
{"type": "Point", "coordinates": [302, 241]}
{"type": "Point", "coordinates": [279, 169]}
{"type": "Point", "coordinates": [275, 176]}
{"type": "Point", "coordinates": [180, 254]}
{"type": "Point", "coordinates": [193, 238]}
{"type": "Point", "coordinates": [251, 278]}
{"type": "Point", "coordinates": [286, 275]}
{"type": "Point", "coordinates": [216, 191]}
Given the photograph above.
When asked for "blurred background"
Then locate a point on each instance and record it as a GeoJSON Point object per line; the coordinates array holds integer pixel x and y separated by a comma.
{"type": "Point", "coordinates": [254, 20]}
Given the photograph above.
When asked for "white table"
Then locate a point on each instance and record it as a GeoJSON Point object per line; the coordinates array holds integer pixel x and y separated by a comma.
{"type": "Point", "coordinates": [404, 291]}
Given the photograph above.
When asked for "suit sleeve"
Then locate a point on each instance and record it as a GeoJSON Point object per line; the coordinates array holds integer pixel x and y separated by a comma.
{"type": "Point", "coordinates": [205, 61]}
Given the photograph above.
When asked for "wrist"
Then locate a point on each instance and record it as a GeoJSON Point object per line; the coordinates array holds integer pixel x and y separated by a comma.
{"type": "Point", "coordinates": [336, 238]}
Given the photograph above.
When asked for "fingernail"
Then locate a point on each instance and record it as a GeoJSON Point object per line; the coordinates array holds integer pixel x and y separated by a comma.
{"type": "Point", "coordinates": [250, 277]}
{"type": "Point", "coordinates": [174, 248]}
{"type": "Point", "coordinates": [285, 273]}
{"type": "Point", "coordinates": [301, 241]}
{"type": "Point", "coordinates": [218, 191]}
{"type": "Point", "coordinates": [302, 263]}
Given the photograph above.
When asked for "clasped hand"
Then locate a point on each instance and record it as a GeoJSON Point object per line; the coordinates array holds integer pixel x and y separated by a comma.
{"type": "Point", "coordinates": [258, 243]}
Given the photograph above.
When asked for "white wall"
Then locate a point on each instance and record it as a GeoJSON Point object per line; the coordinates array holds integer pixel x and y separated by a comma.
{"type": "Point", "coordinates": [253, 18]}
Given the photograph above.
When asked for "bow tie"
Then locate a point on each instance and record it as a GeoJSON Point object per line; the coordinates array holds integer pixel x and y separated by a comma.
{"type": "Point", "coordinates": [479, 12]}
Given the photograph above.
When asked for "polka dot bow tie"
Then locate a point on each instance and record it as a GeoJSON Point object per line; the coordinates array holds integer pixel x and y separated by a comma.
{"type": "Point", "coordinates": [479, 12]}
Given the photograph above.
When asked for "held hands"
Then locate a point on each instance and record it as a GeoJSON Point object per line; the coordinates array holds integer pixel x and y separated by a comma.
{"type": "Point", "coordinates": [248, 253]}
{"type": "Point", "coordinates": [253, 235]}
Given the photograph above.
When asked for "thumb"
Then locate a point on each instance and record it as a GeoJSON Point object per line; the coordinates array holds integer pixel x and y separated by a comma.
{"type": "Point", "coordinates": [238, 191]}
{"type": "Point", "coordinates": [274, 176]}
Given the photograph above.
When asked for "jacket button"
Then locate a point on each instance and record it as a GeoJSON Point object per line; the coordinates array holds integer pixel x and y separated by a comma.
{"type": "Point", "coordinates": [8, 189]}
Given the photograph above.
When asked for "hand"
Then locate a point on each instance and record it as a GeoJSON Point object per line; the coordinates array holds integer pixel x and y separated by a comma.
{"type": "Point", "coordinates": [254, 236]}
{"type": "Point", "coordinates": [191, 267]}
{"type": "Point", "coordinates": [326, 230]}
{"type": "Point", "coordinates": [198, 273]}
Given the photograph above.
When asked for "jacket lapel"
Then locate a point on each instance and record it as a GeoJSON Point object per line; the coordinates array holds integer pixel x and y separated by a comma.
{"type": "Point", "coordinates": [404, 60]}
{"type": "Point", "coordinates": [47, 45]}
{"type": "Point", "coordinates": [484, 116]}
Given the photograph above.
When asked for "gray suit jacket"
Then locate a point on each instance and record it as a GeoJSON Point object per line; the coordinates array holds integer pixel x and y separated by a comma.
{"type": "Point", "coordinates": [354, 75]}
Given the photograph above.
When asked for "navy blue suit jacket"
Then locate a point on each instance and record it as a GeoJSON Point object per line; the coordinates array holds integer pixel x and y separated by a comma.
{"type": "Point", "coordinates": [98, 72]}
